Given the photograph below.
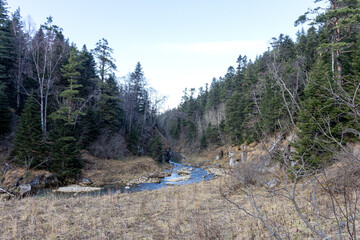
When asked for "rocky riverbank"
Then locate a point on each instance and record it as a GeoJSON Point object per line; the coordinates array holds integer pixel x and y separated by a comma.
{"type": "Point", "coordinates": [17, 181]}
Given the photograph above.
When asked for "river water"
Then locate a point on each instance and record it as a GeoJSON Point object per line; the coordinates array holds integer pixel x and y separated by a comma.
{"type": "Point", "coordinates": [196, 175]}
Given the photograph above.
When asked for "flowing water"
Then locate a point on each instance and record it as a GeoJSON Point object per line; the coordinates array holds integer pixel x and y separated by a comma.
{"type": "Point", "coordinates": [195, 175]}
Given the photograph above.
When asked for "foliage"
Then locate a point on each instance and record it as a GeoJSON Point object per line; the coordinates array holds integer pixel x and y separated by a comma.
{"type": "Point", "coordinates": [65, 153]}
{"type": "Point", "coordinates": [29, 146]}
{"type": "Point", "coordinates": [5, 114]}
{"type": "Point", "coordinates": [156, 149]}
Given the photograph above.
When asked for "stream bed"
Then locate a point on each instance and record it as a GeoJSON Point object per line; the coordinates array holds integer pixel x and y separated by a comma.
{"type": "Point", "coordinates": [180, 175]}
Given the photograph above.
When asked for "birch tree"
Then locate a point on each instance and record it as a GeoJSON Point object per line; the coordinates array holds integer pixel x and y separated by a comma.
{"type": "Point", "coordinates": [47, 50]}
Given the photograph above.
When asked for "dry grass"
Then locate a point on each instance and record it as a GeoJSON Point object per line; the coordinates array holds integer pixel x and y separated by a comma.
{"type": "Point", "coordinates": [208, 157]}
{"type": "Point", "coordinates": [187, 212]}
{"type": "Point", "coordinates": [101, 171]}
{"type": "Point", "coordinates": [196, 211]}
{"type": "Point", "coordinates": [109, 171]}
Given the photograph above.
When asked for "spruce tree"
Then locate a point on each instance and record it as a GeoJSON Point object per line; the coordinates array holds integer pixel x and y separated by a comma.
{"type": "Point", "coordinates": [110, 113]}
{"type": "Point", "coordinates": [64, 151]}
{"type": "Point", "coordinates": [5, 114]}
{"type": "Point", "coordinates": [64, 143]}
{"type": "Point", "coordinates": [321, 120]}
{"type": "Point", "coordinates": [29, 146]}
{"type": "Point", "coordinates": [7, 54]}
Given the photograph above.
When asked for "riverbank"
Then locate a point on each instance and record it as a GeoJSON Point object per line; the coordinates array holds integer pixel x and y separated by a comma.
{"type": "Point", "coordinates": [119, 172]}
{"type": "Point", "coordinates": [195, 211]}
{"type": "Point", "coordinates": [206, 210]}
{"type": "Point", "coordinates": [95, 173]}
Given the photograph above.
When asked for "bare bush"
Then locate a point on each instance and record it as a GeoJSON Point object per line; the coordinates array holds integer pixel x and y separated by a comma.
{"type": "Point", "coordinates": [323, 201]}
{"type": "Point", "coordinates": [113, 147]}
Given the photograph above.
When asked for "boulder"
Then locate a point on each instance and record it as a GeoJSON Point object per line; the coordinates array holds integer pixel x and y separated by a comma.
{"type": "Point", "coordinates": [159, 174]}
{"type": "Point", "coordinates": [178, 179]}
{"type": "Point", "coordinates": [271, 184]}
{"type": "Point", "coordinates": [184, 171]}
{"type": "Point", "coordinates": [85, 182]}
{"type": "Point", "coordinates": [24, 189]}
{"type": "Point", "coordinates": [35, 182]}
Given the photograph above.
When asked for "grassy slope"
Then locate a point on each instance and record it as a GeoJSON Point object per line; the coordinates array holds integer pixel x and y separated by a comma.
{"type": "Point", "coordinates": [196, 211]}
{"type": "Point", "coordinates": [109, 171]}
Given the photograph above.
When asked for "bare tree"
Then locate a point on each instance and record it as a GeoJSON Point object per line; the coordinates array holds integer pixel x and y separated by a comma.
{"type": "Point", "coordinates": [47, 50]}
{"type": "Point", "coordinates": [21, 54]}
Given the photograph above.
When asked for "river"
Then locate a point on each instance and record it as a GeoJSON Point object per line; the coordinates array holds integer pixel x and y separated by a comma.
{"type": "Point", "coordinates": [180, 175]}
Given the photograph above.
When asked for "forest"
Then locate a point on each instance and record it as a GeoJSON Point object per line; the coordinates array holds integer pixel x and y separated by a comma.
{"type": "Point", "coordinates": [309, 85]}
{"type": "Point", "coordinates": [280, 130]}
{"type": "Point", "coordinates": [57, 99]}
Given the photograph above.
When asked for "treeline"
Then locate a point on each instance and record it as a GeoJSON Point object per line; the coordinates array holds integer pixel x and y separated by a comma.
{"type": "Point", "coordinates": [56, 99]}
{"type": "Point", "coordinates": [309, 86]}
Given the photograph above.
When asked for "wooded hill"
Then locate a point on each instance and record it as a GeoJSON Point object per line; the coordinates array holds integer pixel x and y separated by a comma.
{"type": "Point", "coordinates": [310, 85]}
{"type": "Point", "coordinates": [56, 99]}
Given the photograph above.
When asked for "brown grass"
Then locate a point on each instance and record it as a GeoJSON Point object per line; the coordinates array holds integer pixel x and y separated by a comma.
{"type": "Point", "coordinates": [196, 211]}
{"type": "Point", "coordinates": [110, 171]}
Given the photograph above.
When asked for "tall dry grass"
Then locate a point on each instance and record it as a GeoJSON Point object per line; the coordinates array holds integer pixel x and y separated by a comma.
{"type": "Point", "coordinates": [196, 211]}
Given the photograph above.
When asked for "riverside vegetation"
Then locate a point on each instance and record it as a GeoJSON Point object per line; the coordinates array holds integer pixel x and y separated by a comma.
{"type": "Point", "coordinates": [282, 132]}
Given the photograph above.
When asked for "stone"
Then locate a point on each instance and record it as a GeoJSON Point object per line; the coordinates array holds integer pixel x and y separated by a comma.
{"type": "Point", "coordinates": [35, 182]}
{"type": "Point", "coordinates": [271, 184]}
{"type": "Point", "coordinates": [178, 179]}
{"type": "Point", "coordinates": [184, 171]}
{"type": "Point", "coordinates": [159, 174]}
{"type": "Point", "coordinates": [24, 189]}
{"type": "Point", "coordinates": [217, 165]}
{"type": "Point", "coordinates": [51, 180]}
{"type": "Point", "coordinates": [85, 182]}
{"type": "Point", "coordinates": [233, 162]}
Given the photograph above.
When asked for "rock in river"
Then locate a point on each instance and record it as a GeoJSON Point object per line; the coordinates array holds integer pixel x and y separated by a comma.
{"type": "Point", "coordinates": [178, 179]}
{"type": "Point", "coordinates": [184, 171]}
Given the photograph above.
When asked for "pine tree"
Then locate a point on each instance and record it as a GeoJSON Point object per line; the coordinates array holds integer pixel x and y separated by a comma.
{"type": "Point", "coordinates": [156, 149]}
{"type": "Point", "coordinates": [270, 108]}
{"type": "Point", "coordinates": [64, 142]}
{"type": "Point", "coordinates": [65, 152]}
{"type": "Point", "coordinates": [106, 63]}
{"type": "Point", "coordinates": [110, 113]}
{"type": "Point", "coordinates": [5, 114]}
{"type": "Point", "coordinates": [320, 117]}
{"type": "Point", "coordinates": [341, 20]}
{"type": "Point", "coordinates": [69, 109]}
{"type": "Point", "coordinates": [29, 147]}
{"type": "Point", "coordinates": [6, 52]}
{"type": "Point", "coordinates": [87, 71]}
{"type": "Point", "coordinates": [235, 117]}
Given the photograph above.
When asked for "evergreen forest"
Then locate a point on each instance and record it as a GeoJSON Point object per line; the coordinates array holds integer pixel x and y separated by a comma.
{"type": "Point", "coordinates": [268, 150]}
{"type": "Point", "coordinates": [308, 86]}
{"type": "Point", "coordinates": [57, 99]}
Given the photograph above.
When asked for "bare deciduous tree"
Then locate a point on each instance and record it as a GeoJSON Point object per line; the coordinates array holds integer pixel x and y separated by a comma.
{"type": "Point", "coordinates": [47, 50]}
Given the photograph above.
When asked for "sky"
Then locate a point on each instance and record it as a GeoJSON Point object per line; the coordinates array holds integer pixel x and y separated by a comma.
{"type": "Point", "coordinates": [179, 43]}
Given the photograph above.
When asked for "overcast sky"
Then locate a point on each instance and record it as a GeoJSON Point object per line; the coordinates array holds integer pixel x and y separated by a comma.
{"type": "Point", "coordinates": [180, 43]}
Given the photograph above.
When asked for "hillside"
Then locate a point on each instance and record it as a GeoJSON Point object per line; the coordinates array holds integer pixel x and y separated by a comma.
{"type": "Point", "coordinates": [276, 139]}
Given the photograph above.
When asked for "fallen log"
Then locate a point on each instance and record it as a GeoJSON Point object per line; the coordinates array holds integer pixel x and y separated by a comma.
{"type": "Point", "coordinates": [7, 192]}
